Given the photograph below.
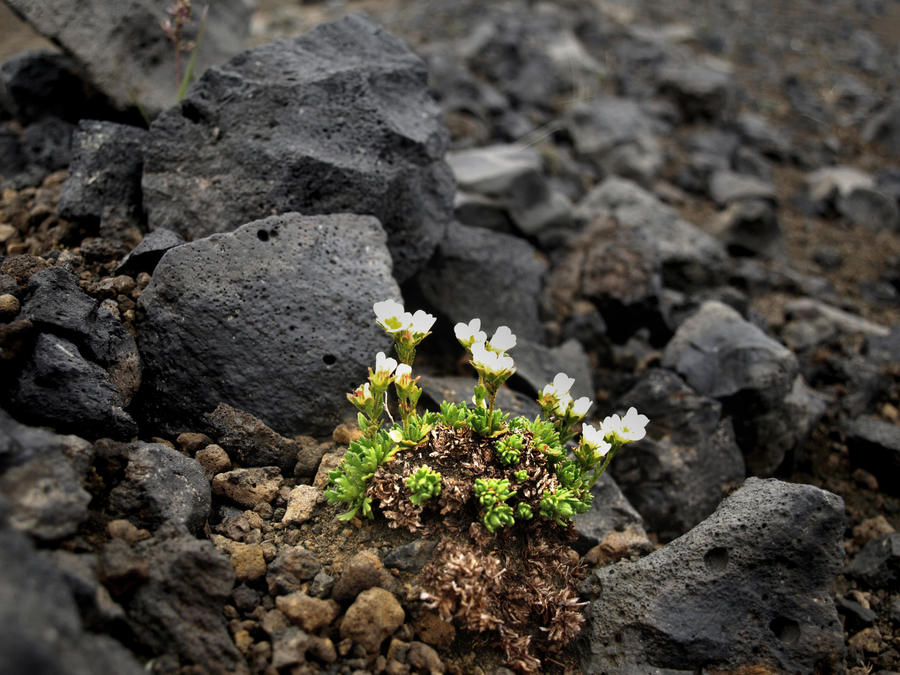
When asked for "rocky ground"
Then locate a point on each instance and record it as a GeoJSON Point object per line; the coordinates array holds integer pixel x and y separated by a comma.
{"type": "Point", "coordinates": [692, 208]}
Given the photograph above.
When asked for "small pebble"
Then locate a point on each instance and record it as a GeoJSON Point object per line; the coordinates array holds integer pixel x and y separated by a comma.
{"type": "Point", "coordinates": [9, 305]}
{"type": "Point", "coordinates": [214, 460]}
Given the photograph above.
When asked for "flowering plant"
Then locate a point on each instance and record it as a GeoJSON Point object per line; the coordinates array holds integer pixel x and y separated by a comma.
{"type": "Point", "coordinates": [512, 439]}
{"type": "Point", "coordinates": [471, 472]}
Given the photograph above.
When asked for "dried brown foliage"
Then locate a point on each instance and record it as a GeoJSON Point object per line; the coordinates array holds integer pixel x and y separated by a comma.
{"type": "Point", "coordinates": [518, 583]}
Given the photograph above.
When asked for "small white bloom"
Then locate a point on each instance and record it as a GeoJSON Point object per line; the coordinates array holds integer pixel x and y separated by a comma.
{"type": "Point", "coordinates": [490, 362]}
{"type": "Point", "coordinates": [503, 339]}
{"type": "Point", "coordinates": [469, 333]}
{"type": "Point", "coordinates": [634, 425]}
{"type": "Point", "coordinates": [384, 365]}
{"type": "Point", "coordinates": [611, 426]}
{"type": "Point", "coordinates": [389, 314]}
{"type": "Point", "coordinates": [403, 370]}
{"type": "Point", "coordinates": [561, 385]}
{"type": "Point", "coordinates": [581, 406]}
{"type": "Point", "coordinates": [563, 401]}
{"type": "Point", "coordinates": [422, 322]}
{"type": "Point", "coordinates": [626, 429]}
{"type": "Point", "coordinates": [593, 437]}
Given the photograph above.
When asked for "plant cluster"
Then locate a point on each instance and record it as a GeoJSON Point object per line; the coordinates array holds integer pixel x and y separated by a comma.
{"type": "Point", "coordinates": [490, 485]}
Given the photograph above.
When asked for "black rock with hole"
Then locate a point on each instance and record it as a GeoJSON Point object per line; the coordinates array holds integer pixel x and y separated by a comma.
{"type": "Point", "coordinates": [747, 588]}
{"type": "Point", "coordinates": [338, 120]}
{"type": "Point", "coordinates": [274, 319]}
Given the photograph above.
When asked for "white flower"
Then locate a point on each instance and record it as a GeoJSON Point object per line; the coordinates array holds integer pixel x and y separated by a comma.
{"type": "Point", "coordinates": [563, 401]}
{"type": "Point", "coordinates": [560, 385]}
{"type": "Point", "coordinates": [503, 339]}
{"type": "Point", "coordinates": [469, 333]}
{"type": "Point", "coordinates": [421, 322]}
{"type": "Point", "coordinates": [633, 425]}
{"type": "Point", "coordinates": [390, 315]}
{"type": "Point", "coordinates": [581, 406]}
{"type": "Point", "coordinates": [403, 370]}
{"type": "Point", "coordinates": [611, 426]}
{"type": "Point", "coordinates": [626, 429]}
{"type": "Point", "coordinates": [490, 362]}
{"type": "Point", "coordinates": [593, 438]}
{"type": "Point", "coordinates": [384, 365]}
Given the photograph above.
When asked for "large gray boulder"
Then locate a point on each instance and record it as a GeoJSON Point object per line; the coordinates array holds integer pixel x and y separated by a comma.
{"type": "Point", "coordinates": [274, 319]}
{"type": "Point", "coordinates": [338, 120]}
{"type": "Point", "coordinates": [122, 48]}
{"type": "Point", "coordinates": [747, 588]}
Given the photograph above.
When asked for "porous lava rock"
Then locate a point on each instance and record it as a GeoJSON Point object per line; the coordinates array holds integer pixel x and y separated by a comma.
{"type": "Point", "coordinates": [748, 588]}
{"type": "Point", "coordinates": [266, 320]}
{"type": "Point", "coordinates": [337, 120]}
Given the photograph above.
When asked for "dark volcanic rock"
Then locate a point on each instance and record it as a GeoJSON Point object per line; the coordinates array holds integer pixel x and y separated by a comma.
{"type": "Point", "coordinates": [160, 485]}
{"type": "Point", "coordinates": [878, 564]}
{"type": "Point", "coordinates": [746, 588]}
{"type": "Point", "coordinates": [874, 445]}
{"type": "Point", "coordinates": [884, 127]}
{"type": "Point", "coordinates": [750, 227]}
{"type": "Point", "coordinates": [43, 632]}
{"type": "Point", "coordinates": [177, 610]}
{"type": "Point", "coordinates": [41, 478]}
{"type": "Point", "coordinates": [855, 196]}
{"type": "Point", "coordinates": [251, 441]}
{"type": "Point", "coordinates": [339, 120]}
{"type": "Point", "coordinates": [105, 171]}
{"type": "Point", "coordinates": [699, 90]}
{"type": "Point", "coordinates": [727, 187]}
{"type": "Point", "coordinates": [768, 438]}
{"type": "Point", "coordinates": [611, 523]}
{"type": "Point", "coordinates": [677, 476]}
{"type": "Point", "coordinates": [265, 319]}
{"type": "Point", "coordinates": [58, 387]}
{"type": "Point", "coordinates": [40, 84]}
{"type": "Point", "coordinates": [479, 273]}
{"type": "Point", "coordinates": [690, 258]}
{"type": "Point", "coordinates": [537, 365]}
{"type": "Point", "coordinates": [55, 303]}
{"type": "Point", "coordinates": [47, 143]}
{"type": "Point", "coordinates": [46, 497]}
{"type": "Point", "coordinates": [507, 178]}
{"type": "Point", "coordinates": [122, 49]}
{"type": "Point", "coordinates": [145, 256]}
{"type": "Point", "coordinates": [617, 136]}
{"type": "Point", "coordinates": [720, 354]}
